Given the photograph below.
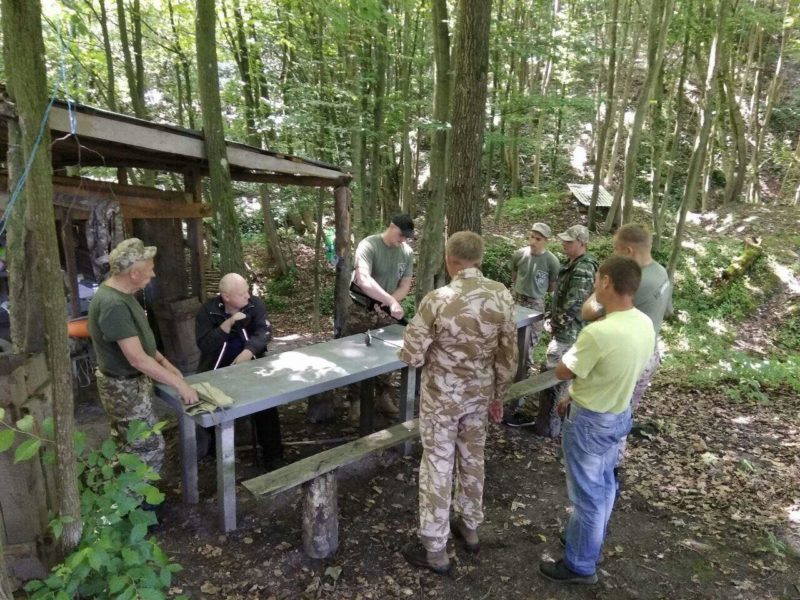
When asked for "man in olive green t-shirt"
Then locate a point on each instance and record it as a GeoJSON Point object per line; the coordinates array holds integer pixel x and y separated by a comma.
{"type": "Point", "coordinates": [384, 266]}
{"type": "Point", "coordinates": [604, 365]}
{"type": "Point", "coordinates": [534, 272]}
{"type": "Point", "coordinates": [127, 358]}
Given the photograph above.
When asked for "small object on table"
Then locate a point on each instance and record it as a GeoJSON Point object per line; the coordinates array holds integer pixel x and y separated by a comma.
{"type": "Point", "coordinates": [368, 338]}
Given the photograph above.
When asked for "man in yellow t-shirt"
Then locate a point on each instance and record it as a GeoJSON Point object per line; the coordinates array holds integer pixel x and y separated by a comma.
{"type": "Point", "coordinates": [604, 364]}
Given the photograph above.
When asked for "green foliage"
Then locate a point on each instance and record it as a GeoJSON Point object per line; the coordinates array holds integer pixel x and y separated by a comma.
{"type": "Point", "coordinates": [496, 257]}
{"type": "Point", "coordinates": [535, 207]}
{"type": "Point", "coordinates": [114, 558]}
{"type": "Point", "coordinates": [703, 331]}
{"type": "Point", "coordinates": [279, 290]}
{"type": "Point", "coordinates": [788, 336]}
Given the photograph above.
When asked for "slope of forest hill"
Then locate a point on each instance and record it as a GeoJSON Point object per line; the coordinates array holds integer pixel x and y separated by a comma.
{"type": "Point", "coordinates": [710, 503]}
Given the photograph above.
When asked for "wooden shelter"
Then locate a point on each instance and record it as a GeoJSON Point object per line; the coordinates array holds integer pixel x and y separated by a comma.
{"type": "Point", "coordinates": [84, 137]}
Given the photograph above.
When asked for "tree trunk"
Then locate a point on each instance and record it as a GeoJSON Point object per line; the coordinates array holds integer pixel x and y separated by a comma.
{"type": "Point", "coordinates": [111, 86]}
{"type": "Point", "coordinates": [221, 189]}
{"type": "Point", "coordinates": [660, 17]}
{"type": "Point", "coordinates": [27, 84]}
{"type": "Point", "coordinates": [408, 184]}
{"type": "Point", "coordinates": [376, 164]}
{"type": "Point", "coordinates": [701, 142]}
{"type": "Point", "coordinates": [609, 111]}
{"type": "Point", "coordinates": [431, 252]}
{"type": "Point", "coordinates": [469, 103]}
{"type": "Point", "coordinates": [735, 185]}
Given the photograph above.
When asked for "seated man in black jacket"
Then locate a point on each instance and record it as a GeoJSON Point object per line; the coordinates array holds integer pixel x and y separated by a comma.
{"type": "Point", "coordinates": [233, 328]}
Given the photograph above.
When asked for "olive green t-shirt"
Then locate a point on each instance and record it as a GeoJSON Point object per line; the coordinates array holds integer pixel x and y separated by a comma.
{"type": "Point", "coordinates": [607, 358]}
{"type": "Point", "coordinates": [654, 296]}
{"type": "Point", "coordinates": [114, 316]}
{"type": "Point", "coordinates": [387, 265]}
{"type": "Point", "coordinates": [535, 272]}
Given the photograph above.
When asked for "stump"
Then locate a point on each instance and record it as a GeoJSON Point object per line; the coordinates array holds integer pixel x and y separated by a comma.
{"type": "Point", "coordinates": [320, 516]}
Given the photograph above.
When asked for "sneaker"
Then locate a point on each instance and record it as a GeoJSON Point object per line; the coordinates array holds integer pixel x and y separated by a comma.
{"type": "Point", "coordinates": [562, 538]}
{"type": "Point", "coordinates": [561, 573]}
{"type": "Point", "coordinates": [469, 537]}
{"type": "Point", "coordinates": [519, 420]}
{"type": "Point", "coordinates": [418, 556]}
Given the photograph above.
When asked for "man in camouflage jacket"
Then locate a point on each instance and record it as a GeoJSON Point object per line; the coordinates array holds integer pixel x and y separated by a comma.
{"type": "Point", "coordinates": [575, 285]}
{"type": "Point", "coordinates": [465, 335]}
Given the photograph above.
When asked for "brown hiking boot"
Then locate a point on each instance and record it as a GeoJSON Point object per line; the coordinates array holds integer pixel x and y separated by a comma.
{"type": "Point", "coordinates": [469, 537]}
{"type": "Point", "coordinates": [386, 405]}
{"type": "Point", "coordinates": [438, 562]}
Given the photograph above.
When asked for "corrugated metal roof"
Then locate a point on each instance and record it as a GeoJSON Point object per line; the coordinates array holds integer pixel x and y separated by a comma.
{"type": "Point", "coordinates": [583, 192]}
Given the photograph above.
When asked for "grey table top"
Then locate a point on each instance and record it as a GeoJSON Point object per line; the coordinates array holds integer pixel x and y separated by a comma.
{"type": "Point", "coordinates": [284, 377]}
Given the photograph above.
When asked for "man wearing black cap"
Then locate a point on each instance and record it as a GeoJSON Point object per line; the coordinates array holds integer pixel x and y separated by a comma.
{"type": "Point", "coordinates": [384, 265]}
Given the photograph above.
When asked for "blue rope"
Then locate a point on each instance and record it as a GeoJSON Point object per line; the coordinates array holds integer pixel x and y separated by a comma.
{"type": "Point", "coordinates": [72, 126]}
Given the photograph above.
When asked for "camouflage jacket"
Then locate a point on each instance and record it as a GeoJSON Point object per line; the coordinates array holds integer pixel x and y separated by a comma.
{"type": "Point", "coordinates": [575, 285]}
{"type": "Point", "coordinates": [465, 335]}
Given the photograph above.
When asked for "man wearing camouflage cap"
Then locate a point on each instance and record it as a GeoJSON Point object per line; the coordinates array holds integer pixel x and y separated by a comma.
{"type": "Point", "coordinates": [127, 358]}
{"type": "Point", "coordinates": [534, 272]}
{"type": "Point", "coordinates": [465, 336]}
{"type": "Point", "coordinates": [575, 285]}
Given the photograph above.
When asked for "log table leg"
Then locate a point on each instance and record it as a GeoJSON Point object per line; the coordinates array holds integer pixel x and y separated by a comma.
{"type": "Point", "coordinates": [188, 459]}
{"type": "Point", "coordinates": [320, 516]}
{"type": "Point", "coordinates": [524, 348]}
{"type": "Point", "coordinates": [226, 476]}
{"type": "Point", "coordinates": [367, 407]}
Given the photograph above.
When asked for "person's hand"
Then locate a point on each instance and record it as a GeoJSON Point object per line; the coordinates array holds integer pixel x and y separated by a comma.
{"type": "Point", "coordinates": [172, 368]}
{"type": "Point", "coordinates": [396, 310]}
{"type": "Point", "coordinates": [561, 407]}
{"type": "Point", "coordinates": [495, 411]}
{"type": "Point", "coordinates": [187, 393]}
{"type": "Point", "coordinates": [244, 356]}
{"type": "Point", "coordinates": [238, 316]}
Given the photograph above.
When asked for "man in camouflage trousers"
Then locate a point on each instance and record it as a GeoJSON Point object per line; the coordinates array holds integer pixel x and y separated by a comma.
{"type": "Point", "coordinates": [465, 336]}
{"type": "Point", "coordinates": [575, 285]}
{"type": "Point", "coordinates": [384, 266]}
{"type": "Point", "coordinates": [127, 357]}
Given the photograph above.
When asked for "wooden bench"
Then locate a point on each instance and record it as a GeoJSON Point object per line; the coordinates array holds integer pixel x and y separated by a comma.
{"type": "Point", "coordinates": [317, 474]}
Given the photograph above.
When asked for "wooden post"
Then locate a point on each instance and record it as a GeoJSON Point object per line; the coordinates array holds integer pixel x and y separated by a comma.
{"type": "Point", "coordinates": [68, 246]}
{"type": "Point", "coordinates": [367, 389]}
{"type": "Point", "coordinates": [320, 516]}
{"type": "Point", "coordinates": [344, 261]}
{"type": "Point", "coordinates": [194, 236]}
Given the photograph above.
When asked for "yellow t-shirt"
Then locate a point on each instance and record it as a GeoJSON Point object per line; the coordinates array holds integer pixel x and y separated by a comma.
{"type": "Point", "coordinates": [607, 358]}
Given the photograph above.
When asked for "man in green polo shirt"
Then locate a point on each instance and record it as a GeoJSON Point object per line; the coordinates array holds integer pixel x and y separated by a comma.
{"type": "Point", "coordinates": [604, 364]}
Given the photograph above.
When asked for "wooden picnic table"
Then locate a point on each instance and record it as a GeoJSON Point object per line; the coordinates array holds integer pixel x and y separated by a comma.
{"type": "Point", "coordinates": [287, 376]}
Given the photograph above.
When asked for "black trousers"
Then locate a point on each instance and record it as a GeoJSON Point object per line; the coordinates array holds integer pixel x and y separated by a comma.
{"type": "Point", "coordinates": [267, 426]}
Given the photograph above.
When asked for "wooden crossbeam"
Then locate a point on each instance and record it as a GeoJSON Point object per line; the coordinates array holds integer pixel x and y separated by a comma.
{"type": "Point", "coordinates": [313, 466]}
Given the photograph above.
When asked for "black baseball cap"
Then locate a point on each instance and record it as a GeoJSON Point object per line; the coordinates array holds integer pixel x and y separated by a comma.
{"type": "Point", "coordinates": [406, 225]}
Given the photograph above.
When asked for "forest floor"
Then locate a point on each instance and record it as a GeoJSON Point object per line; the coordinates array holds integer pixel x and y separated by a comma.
{"type": "Point", "coordinates": [710, 506]}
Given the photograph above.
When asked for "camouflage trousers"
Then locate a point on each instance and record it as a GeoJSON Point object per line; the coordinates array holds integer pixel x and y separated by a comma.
{"type": "Point", "coordinates": [127, 400]}
{"type": "Point", "coordinates": [359, 320]}
{"type": "Point", "coordinates": [641, 387]}
{"type": "Point", "coordinates": [534, 330]}
{"type": "Point", "coordinates": [449, 441]}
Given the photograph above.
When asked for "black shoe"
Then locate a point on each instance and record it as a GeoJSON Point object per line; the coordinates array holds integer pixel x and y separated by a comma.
{"type": "Point", "coordinates": [519, 420]}
{"type": "Point", "coordinates": [416, 555]}
{"type": "Point", "coordinates": [561, 573]}
{"type": "Point", "coordinates": [562, 538]}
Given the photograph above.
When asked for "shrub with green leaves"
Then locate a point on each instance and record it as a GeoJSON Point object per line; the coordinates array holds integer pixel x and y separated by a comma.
{"type": "Point", "coordinates": [496, 260]}
{"type": "Point", "coordinates": [115, 558]}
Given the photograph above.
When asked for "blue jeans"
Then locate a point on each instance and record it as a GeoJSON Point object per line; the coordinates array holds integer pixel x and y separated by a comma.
{"type": "Point", "coordinates": [590, 441]}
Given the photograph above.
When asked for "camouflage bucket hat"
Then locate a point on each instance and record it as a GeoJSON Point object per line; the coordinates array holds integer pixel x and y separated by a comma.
{"type": "Point", "coordinates": [576, 233]}
{"type": "Point", "coordinates": [127, 253]}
